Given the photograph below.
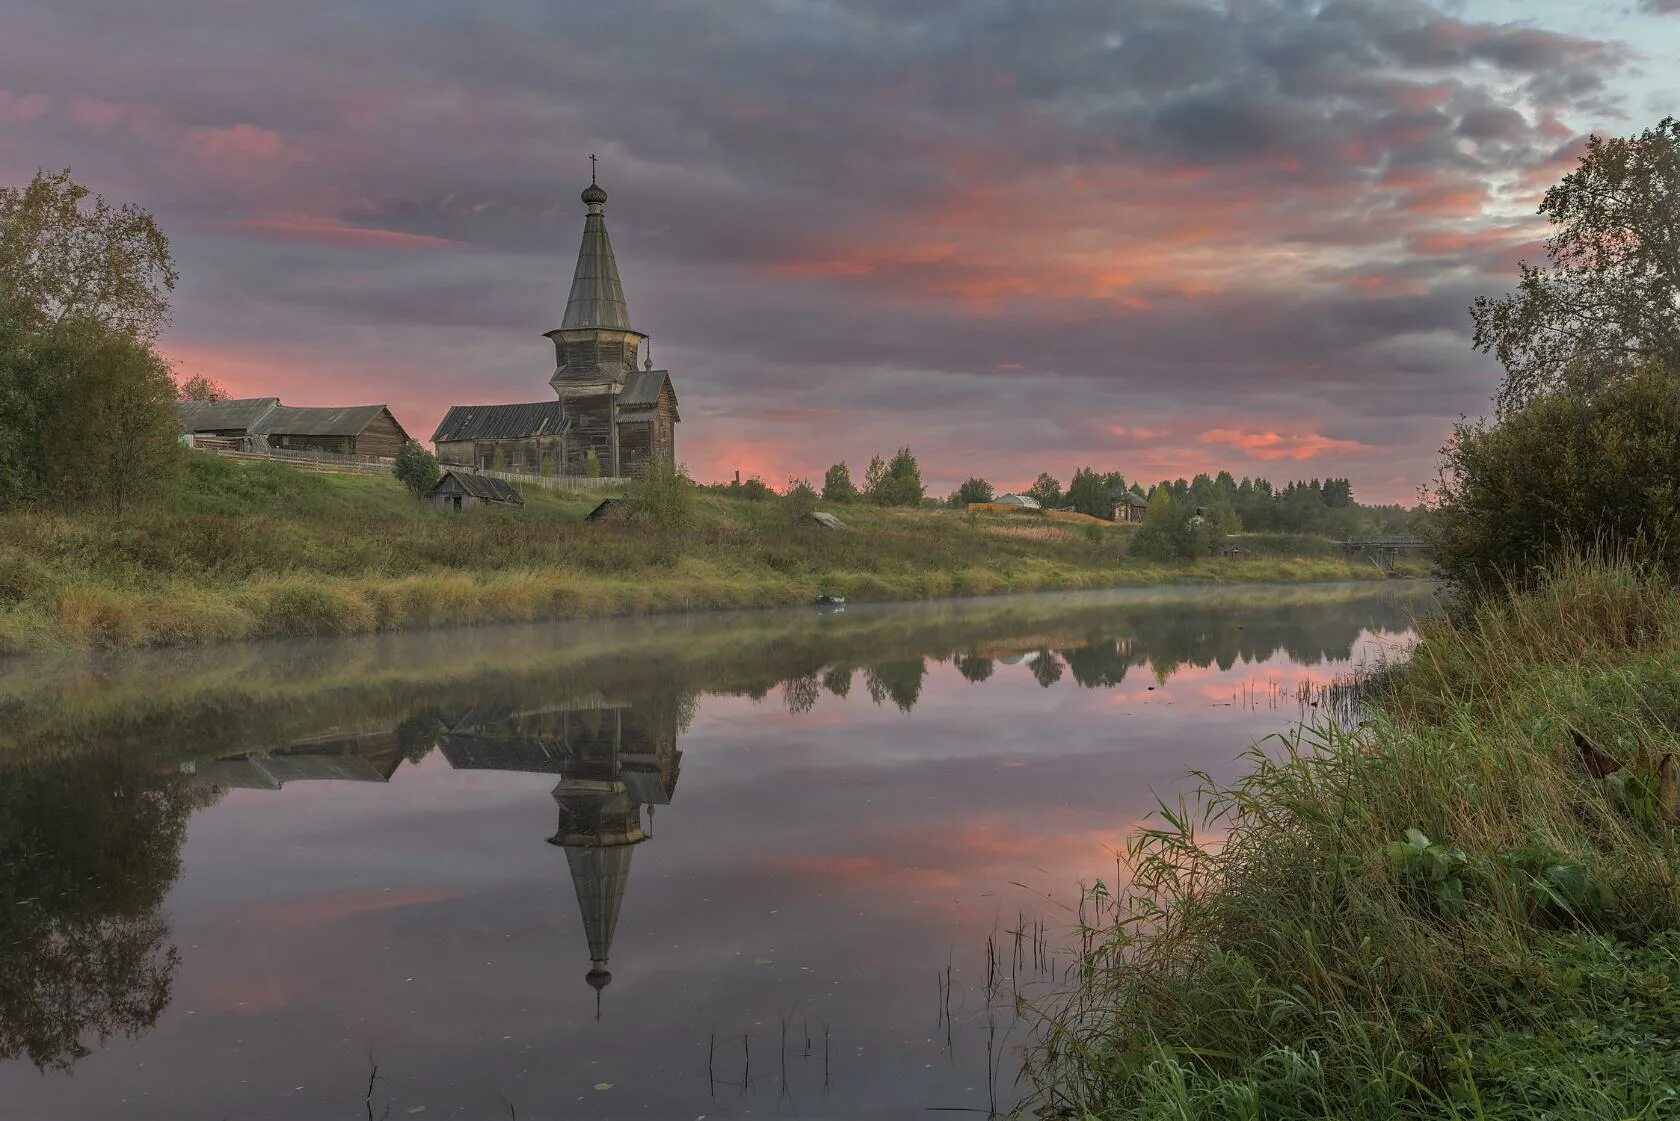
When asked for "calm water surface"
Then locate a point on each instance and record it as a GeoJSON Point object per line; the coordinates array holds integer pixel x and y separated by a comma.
{"type": "Point", "coordinates": [714, 866]}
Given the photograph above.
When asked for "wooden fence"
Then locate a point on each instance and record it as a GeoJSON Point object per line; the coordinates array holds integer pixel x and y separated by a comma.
{"type": "Point", "coordinates": [329, 462]}
{"type": "Point", "coordinates": [335, 463]}
{"type": "Point", "coordinates": [556, 482]}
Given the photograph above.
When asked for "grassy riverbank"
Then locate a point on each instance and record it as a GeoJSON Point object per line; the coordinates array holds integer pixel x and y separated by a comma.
{"type": "Point", "coordinates": [245, 551]}
{"type": "Point", "coordinates": [1440, 914]}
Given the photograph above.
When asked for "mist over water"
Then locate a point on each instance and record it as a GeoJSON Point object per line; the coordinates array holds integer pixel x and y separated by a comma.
{"type": "Point", "coordinates": [714, 865]}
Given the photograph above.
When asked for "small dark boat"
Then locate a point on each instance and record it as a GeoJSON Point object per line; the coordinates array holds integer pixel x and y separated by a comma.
{"type": "Point", "coordinates": [826, 600]}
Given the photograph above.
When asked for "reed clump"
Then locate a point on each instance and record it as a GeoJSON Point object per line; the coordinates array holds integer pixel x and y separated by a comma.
{"type": "Point", "coordinates": [1443, 911]}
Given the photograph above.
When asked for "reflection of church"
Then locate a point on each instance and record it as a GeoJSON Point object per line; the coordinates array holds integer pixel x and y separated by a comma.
{"type": "Point", "coordinates": [345, 756]}
{"type": "Point", "coordinates": [611, 761]}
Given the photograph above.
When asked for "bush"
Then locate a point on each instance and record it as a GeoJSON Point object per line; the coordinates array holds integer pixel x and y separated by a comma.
{"type": "Point", "coordinates": [417, 469]}
{"type": "Point", "coordinates": [800, 498]}
{"type": "Point", "coordinates": [1173, 530]}
{"type": "Point", "coordinates": [663, 495]}
{"type": "Point", "coordinates": [86, 415]}
{"type": "Point", "coordinates": [1568, 472]}
{"type": "Point", "coordinates": [973, 490]}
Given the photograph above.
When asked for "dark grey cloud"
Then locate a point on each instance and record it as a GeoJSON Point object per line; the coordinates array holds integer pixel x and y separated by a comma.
{"type": "Point", "coordinates": [887, 211]}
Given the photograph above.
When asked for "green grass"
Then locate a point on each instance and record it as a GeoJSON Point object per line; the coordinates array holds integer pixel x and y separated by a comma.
{"type": "Point", "coordinates": [1439, 913]}
{"type": "Point", "coordinates": [252, 550]}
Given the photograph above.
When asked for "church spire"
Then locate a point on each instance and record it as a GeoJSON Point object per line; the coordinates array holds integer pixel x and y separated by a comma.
{"type": "Point", "coordinates": [597, 297]}
{"type": "Point", "coordinates": [600, 825]}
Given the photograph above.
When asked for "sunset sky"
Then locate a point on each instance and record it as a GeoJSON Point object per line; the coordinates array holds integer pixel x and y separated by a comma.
{"type": "Point", "coordinates": [1157, 236]}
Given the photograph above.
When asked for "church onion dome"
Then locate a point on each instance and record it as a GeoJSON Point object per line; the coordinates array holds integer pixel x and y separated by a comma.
{"type": "Point", "coordinates": [593, 195]}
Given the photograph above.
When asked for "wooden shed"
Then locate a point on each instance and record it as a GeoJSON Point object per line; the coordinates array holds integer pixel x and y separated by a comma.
{"type": "Point", "coordinates": [1129, 506]}
{"type": "Point", "coordinates": [458, 490]}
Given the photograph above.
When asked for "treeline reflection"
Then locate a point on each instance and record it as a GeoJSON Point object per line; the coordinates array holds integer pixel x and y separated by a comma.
{"type": "Point", "coordinates": [94, 802]}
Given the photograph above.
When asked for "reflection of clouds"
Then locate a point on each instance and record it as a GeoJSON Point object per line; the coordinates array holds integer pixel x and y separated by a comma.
{"type": "Point", "coordinates": [338, 907]}
{"type": "Point", "coordinates": [825, 860]}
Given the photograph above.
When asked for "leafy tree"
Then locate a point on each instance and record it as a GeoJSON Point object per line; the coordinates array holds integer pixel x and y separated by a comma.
{"type": "Point", "coordinates": [417, 735]}
{"type": "Point", "coordinates": [974, 667]}
{"type": "Point", "coordinates": [973, 490]}
{"type": "Point", "coordinates": [800, 693]}
{"type": "Point", "coordinates": [130, 403]}
{"type": "Point", "coordinates": [754, 489]}
{"type": "Point", "coordinates": [1088, 494]}
{"type": "Point", "coordinates": [86, 414]}
{"type": "Point", "coordinates": [663, 495]}
{"type": "Point", "coordinates": [837, 484]}
{"type": "Point", "coordinates": [200, 388]}
{"type": "Point", "coordinates": [1047, 490]}
{"type": "Point", "coordinates": [1157, 538]}
{"type": "Point", "coordinates": [1608, 302]}
{"type": "Point", "coordinates": [1575, 470]}
{"type": "Point", "coordinates": [64, 258]}
{"type": "Point", "coordinates": [899, 681]}
{"type": "Point", "coordinates": [873, 474]}
{"type": "Point", "coordinates": [899, 483]}
{"type": "Point", "coordinates": [416, 468]}
{"type": "Point", "coordinates": [1046, 669]}
{"type": "Point", "coordinates": [88, 849]}
{"type": "Point", "coordinates": [591, 463]}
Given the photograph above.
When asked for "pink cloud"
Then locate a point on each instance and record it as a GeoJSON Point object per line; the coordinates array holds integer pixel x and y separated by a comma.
{"type": "Point", "coordinates": [20, 107]}
{"type": "Point", "coordinates": [1274, 445]}
{"type": "Point", "coordinates": [94, 113]}
{"type": "Point", "coordinates": [325, 229]}
{"type": "Point", "coordinates": [241, 142]}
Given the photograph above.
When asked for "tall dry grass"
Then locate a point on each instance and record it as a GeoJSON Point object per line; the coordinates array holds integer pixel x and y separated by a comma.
{"type": "Point", "coordinates": [1437, 913]}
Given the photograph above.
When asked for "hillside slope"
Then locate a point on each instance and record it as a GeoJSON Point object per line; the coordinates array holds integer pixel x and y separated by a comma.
{"type": "Point", "coordinates": [249, 550]}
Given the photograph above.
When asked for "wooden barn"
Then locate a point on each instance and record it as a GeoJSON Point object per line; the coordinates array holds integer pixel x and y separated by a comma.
{"type": "Point", "coordinates": [458, 490]}
{"type": "Point", "coordinates": [1129, 506]}
{"type": "Point", "coordinates": [610, 418]}
{"type": "Point", "coordinates": [263, 422]}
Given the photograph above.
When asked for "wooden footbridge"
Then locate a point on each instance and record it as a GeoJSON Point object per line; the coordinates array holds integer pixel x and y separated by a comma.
{"type": "Point", "coordinates": [1384, 551]}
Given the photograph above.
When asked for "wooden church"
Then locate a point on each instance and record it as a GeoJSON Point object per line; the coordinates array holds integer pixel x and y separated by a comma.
{"type": "Point", "coordinates": [609, 416]}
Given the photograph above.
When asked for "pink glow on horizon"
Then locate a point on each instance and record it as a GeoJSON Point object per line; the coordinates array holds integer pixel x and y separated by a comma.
{"type": "Point", "coordinates": [1274, 445]}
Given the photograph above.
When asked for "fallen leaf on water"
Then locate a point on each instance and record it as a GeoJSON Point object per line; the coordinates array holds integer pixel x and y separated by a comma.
{"type": "Point", "coordinates": [603, 1085]}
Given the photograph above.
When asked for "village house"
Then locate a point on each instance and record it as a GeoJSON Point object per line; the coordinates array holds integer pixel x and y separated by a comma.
{"type": "Point", "coordinates": [609, 417]}
{"type": "Point", "coordinates": [255, 423]}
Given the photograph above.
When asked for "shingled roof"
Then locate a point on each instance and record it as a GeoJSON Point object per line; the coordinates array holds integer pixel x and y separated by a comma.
{"type": "Point", "coordinates": [501, 422]}
{"type": "Point", "coordinates": [265, 416]}
{"type": "Point", "coordinates": [597, 296]}
{"type": "Point", "coordinates": [223, 416]}
{"type": "Point", "coordinates": [487, 487]}
{"type": "Point", "coordinates": [286, 420]}
{"type": "Point", "coordinates": [641, 392]}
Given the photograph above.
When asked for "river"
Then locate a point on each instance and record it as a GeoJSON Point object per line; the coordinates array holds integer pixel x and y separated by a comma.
{"type": "Point", "coordinates": [709, 866]}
